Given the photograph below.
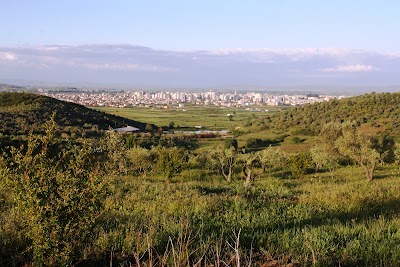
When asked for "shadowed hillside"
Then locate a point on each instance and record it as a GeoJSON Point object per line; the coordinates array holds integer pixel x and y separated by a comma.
{"type": "Point", "coordinates": [22, 112]}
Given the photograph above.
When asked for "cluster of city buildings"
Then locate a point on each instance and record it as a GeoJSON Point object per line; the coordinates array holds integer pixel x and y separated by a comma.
{"type": "Point", "coordinates": [179, 99]}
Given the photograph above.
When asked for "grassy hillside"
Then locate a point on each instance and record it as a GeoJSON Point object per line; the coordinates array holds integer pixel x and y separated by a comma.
{"type": "Point", "coordinates": [22, 112]}
{"type": "Point", "coordinates": [375, 113]}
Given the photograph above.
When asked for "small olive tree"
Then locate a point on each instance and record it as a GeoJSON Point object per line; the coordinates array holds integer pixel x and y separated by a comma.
{"type": "Point", "coordinates": [270, 158]}
{"type": "Point", "coordinates": [359, 148]}
{"type": "Point", "coordinates": [225, 159]}
{"type": "Point", "coordinates": [249, 161]}
{"type": "Point", "coordinates": [322, 158]}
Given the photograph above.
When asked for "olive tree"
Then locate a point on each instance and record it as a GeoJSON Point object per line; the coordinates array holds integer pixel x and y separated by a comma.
{"type": "Point", "coordinates": [322, 157]}
{"type": "Point", "coordinates": [225, 159]}
{"type": "Point", "coordinates": [270, 158]}
{"type": "Point", "coordinates": [359, 148]}
{"type": "Point", "coordinates": [249, 161]}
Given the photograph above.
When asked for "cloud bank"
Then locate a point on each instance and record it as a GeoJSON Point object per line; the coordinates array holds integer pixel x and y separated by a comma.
{"type": "Point", "coordinates": [351, 68]}
{"type": "Point", "coordinates": [138, 66]}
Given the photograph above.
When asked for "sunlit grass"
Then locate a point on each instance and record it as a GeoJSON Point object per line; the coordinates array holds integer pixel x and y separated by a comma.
{"type": "Point", "coordinates": [322, 219]}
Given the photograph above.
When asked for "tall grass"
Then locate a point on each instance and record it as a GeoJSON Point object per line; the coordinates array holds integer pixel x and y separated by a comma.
{"type": "Point", "coordinates": [315, 221]}
{"type": "Point", "coordinates": [318, 220]}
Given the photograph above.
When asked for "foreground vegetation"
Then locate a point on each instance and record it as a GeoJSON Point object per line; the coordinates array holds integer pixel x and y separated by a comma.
{"type": "Point", "coordinates": [166, 200]}
{"type": "Point", "coordinates": [82, 206]}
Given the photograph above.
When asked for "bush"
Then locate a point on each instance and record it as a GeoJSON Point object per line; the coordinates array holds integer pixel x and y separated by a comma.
{"type": "Point", "coordinates": [300, 163]}
{"type": "Point", "coordinates": [59, 196]}
{"type": "Point", "coordinates": [296, 140]}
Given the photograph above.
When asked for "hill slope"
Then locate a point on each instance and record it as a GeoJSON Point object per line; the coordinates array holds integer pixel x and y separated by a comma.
{"type": "Point", "coordinates": [21, 112]}
{"type": "Point", "coordinates": [373, 112]}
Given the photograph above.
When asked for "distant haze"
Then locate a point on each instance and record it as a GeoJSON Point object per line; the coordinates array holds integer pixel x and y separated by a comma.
{"type": "Point", "coordinates": [135, 67]}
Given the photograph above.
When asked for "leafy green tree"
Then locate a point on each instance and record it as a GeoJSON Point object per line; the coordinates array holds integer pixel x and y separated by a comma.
{"type": "Point", "coordinates": [170, 161]}
{"type": "Point", "coordinates": [203, 160]}
{"type": "Point", "coordinates": [359, 148]}
{"type": "Point", "coordinates": [322, 158]}
{"type": "Point", "coordinates": [385, 145]}
{"type": "Point", "coordinates": [272, 158]}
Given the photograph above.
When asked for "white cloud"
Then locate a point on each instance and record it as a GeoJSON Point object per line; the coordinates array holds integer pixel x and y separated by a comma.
{"type": "Point", "coordinates": [284, 52]}
{"type": "Point", "coordinates": [123, 67]}
{"type": "Point", "coordinates": [8, 56]}
{"type": "Point", "coordinates": [351, 68]}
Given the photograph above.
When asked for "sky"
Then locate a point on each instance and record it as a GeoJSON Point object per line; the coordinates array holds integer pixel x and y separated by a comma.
{"type": "Point", "coordinates": [227, 43]}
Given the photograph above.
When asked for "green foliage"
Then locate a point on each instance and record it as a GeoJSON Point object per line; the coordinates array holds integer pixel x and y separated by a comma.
{"type": "Point", "coordinates": [231, 143]}
{"type": "Point", "coordinates": [60, 198]}
{"type": "Point", "coordinates": [225, 159]}
{"type": "Point", "coordinates": [360, 149]}
{"type": "Point", "coordinates": [204, 160]}
{"type": "Point", "coordinates": [270, 158]}
{"type": "Point", "coordinates": [113, 149]}
{"type": "Point", "coordinates": [149, 128]}
{"type": "Point", "coordinates": [140, 160]}
{"type": "Point", "coordinates": [322, 158]}
{"type": "Point", "coordinates": [249, 161]}
{"type": "Point", "coordinates": [280, 220]}
{"type": "Point", "coordinates": [48, 189]}
{"type": "Point", "coordinates": [256, 142]}
{"type": "Point", "coordinates": [299, 164]}
{"type": "Point", "coordinates": [170, 161]}
{"type": "Point", "coordinates": [378, 110]}
{"type": "Point", "coordinates": [296, 140]}
{"type": "Point", "coordinates": [385, 146]}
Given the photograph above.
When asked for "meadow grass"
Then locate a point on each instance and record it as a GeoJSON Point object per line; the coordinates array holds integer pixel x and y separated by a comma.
{"type": "Point", "coordinates": [214, 118]}
{"type": "Point", "coordinates": [319, 220]}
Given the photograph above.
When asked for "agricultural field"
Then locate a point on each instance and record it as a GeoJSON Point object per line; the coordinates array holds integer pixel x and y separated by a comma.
{"type": "Point", "coordinates": [212, 118]}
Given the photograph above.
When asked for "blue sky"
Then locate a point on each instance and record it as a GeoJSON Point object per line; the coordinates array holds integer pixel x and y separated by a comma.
{"type": "Point", "coordinates": [201, 44]}
{"type": "Point", "coordinates": [205, 24]}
